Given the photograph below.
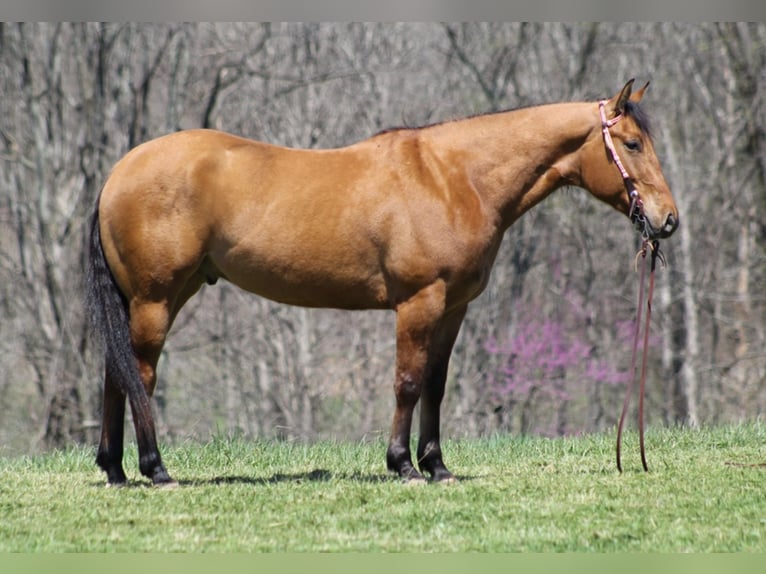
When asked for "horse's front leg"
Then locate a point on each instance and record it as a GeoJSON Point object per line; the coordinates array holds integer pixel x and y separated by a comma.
{"type": "Point", "coordinates": [429, 447]}
{"type": "Point", "coordinates": [416, 321]}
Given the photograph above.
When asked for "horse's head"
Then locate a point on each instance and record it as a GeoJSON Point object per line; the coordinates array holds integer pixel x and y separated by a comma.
{"type": "Point", "coordinates": [620, 167]}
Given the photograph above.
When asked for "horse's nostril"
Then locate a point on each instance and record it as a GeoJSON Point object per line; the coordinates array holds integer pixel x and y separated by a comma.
{"type": "Point", "coordinates": [671, 223]}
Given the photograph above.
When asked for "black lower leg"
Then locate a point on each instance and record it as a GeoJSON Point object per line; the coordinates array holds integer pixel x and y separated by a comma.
{"type": "Point", "coordinates": [110, 448]}
{"type": "Point", "coordinates": [149, 459]}
{"type": "Point", "coordinates": [430, 460]}
{"type": "Point", "coordinates": [110, 462]}
{"type": "Point", "coordinates": [151, 467]}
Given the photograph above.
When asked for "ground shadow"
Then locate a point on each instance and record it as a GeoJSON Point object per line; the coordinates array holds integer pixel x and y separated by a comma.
{"type": "Point", "coordinates": [316, 475]}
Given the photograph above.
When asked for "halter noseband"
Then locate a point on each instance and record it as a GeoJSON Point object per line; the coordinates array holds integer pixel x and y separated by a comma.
{"type": "Point", "coordinates": [636, 209]}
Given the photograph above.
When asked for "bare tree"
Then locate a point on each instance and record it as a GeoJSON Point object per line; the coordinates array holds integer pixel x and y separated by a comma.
{"type": "Point", "coordinates": [78, 96]}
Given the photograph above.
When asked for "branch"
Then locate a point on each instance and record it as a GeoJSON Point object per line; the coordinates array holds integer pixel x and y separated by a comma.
{"type": "Point", "coordinates": [488, 90]}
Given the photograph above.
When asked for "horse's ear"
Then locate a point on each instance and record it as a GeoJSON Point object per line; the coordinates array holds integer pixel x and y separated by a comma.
{"type": "Point", "coordinates": [637, 95]}
{"type": "Point", "coordinates": [617, 103]}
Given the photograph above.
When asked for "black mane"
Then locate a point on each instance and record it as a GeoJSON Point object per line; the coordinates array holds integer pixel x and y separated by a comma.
{"type": "Point", "coordinates": [633, 110]}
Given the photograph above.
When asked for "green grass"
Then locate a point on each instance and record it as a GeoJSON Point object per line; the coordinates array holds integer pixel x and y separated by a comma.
{"type": "Point", "coordinates": [515, 494]}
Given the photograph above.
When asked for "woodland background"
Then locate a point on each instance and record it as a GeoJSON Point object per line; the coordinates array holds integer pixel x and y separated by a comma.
{"type": "Point", "coordinates": [543, 351]}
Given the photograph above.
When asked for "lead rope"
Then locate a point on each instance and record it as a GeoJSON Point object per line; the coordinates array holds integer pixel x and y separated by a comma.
{"type": "Point", "coordinates": [654, 247]}
{"type": "Point", "coordinates": [636, 333]}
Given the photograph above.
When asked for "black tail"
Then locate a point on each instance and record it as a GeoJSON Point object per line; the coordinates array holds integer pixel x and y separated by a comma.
{"type": "Point", "coordinates": [108, 313]}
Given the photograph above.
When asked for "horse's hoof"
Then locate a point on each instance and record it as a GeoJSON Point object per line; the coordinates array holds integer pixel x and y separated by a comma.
{"type": "Point", "coordinates": [161, 478]}
{"type": "Point", "coordinates": [167, 485]}
{"type": "Point", "coordinates": [412, 477]}
{"type": "Point", "coordinates": [446, 480]}
{"type": "Point", "coordinates": [414, 481]}
{"type": "Point", "coordinates": [442, 476]}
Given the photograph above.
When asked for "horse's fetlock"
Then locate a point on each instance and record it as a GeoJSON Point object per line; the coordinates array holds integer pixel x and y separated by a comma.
{"type": "Point", "coordinates": [396, 456]}
{"type": "Point", "coordinates": [149, 464]}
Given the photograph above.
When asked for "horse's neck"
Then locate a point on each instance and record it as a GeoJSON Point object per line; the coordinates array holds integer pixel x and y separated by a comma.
{"type": "Point", "coordinates": [516, 159]}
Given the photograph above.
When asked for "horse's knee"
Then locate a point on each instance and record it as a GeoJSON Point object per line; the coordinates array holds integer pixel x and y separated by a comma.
{"type": "Point", "coordinates": [407, 389]}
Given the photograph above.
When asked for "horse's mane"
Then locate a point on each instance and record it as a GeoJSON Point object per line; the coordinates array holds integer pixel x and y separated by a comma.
{"type": "Point", "coordinates": [440, 123]}
{"type": "Point", "coordinates": [632, 110]}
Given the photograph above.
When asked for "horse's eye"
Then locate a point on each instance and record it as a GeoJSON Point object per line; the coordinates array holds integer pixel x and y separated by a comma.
{"type": "Point", "coordinates": [633, 145]}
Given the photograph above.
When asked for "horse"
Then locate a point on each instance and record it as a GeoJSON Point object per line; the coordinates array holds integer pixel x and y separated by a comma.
{"type": "Point", "coordinates": [408, 220]}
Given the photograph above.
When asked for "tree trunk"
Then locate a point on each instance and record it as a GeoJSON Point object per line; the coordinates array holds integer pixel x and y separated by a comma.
{"type": "Point", "coordinates": [686, 393]}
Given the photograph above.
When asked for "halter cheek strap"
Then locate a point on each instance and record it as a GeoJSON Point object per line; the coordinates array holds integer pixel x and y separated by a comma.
{"type": "Point", "coordinates": [636, 211]}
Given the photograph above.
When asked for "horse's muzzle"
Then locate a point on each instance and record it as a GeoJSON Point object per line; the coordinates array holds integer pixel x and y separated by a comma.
{"type": "Point", "coordinates": [649, 231]}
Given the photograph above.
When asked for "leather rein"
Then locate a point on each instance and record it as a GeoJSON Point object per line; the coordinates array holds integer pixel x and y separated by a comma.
{"type": "Point", "coordinates": [648, 247]}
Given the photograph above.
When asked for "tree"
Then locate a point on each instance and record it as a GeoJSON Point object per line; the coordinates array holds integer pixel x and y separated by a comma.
{"type": "Point", "coordinates": [77, 96]}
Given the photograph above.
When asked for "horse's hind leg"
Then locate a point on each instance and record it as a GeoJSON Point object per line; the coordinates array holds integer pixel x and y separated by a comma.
{"type": "Point", "coordinates": [149, 323]}
{"type": "Point", "coordinates": [148, 327]}
{"type": "Point", "coordinates": [109, 456]}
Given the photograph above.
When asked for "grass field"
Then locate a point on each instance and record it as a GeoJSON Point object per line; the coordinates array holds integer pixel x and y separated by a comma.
{"type": "Point", "coordinates": [515, 494]}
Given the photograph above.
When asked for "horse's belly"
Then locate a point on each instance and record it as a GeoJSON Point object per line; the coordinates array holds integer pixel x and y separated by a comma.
{"type": "Point", "coordinates": [305, 279]}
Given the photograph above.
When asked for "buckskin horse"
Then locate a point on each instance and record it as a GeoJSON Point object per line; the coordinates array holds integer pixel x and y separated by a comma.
{"type": "Point", "coordinates": [409, 220]}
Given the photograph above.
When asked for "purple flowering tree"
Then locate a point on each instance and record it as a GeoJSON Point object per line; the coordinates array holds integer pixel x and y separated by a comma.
{"type": "Point", "coordinates": [545, 363]}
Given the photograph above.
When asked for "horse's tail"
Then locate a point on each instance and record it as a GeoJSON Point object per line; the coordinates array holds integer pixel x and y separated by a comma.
{"type": "Point", "coordinates": [109, 317]}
